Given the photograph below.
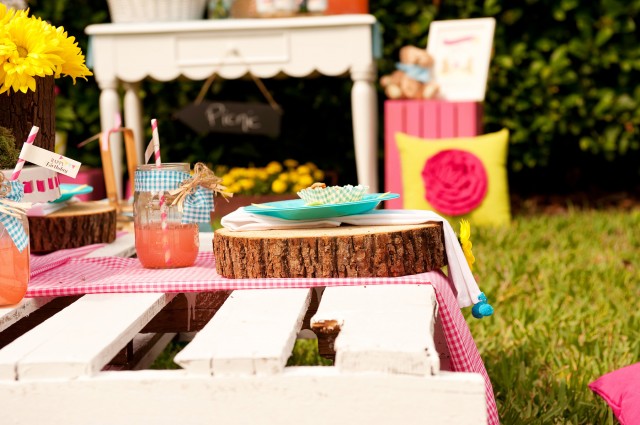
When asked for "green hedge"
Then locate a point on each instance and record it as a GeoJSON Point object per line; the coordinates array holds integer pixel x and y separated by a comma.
{"type": "Point", "coordinates": [562, 79]}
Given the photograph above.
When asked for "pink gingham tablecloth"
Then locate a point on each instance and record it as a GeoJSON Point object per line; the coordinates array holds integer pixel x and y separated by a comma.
{"type": "Point", "coordinates": [64, 274]}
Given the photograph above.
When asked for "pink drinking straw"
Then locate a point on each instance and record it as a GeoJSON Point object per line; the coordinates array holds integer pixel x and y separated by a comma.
{"type": "Point", "coordinates": [32, 136]}
{"type": "Point", "coordinates": [156, 141]}
{"type": "Point", "coordinates": [163, 210]}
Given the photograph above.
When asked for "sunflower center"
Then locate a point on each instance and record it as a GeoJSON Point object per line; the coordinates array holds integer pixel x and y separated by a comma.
{"type": "Point", "coordinates": [22, 52]}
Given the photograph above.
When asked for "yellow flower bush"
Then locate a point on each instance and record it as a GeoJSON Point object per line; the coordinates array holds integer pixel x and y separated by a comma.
{"type": "Point", "coordinates": [31, 47]}
{"type": "Point", "coordinates": [275, 178]}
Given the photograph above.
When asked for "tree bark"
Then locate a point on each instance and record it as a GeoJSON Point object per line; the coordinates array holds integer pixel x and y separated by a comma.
{"type": "Point", "coordinates": [21, 111]}
{"type": "Point", "coordinates": [346, 251]}
{"type": "Point", "coordinates": [79, 224]}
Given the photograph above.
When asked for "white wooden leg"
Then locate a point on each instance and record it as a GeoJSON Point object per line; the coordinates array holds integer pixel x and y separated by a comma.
{"type": "Point", "coordinates": [109, 107]}
{"type": "Point", "coordinates": [133, 116]}
{"type": "Point", "coordinates": [364, 105]}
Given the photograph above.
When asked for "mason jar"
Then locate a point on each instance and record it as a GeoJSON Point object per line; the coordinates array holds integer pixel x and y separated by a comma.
{"type": "Point", "coordinates": [163, 239]}
{"type": "Point", "coordinates": [14, 266]}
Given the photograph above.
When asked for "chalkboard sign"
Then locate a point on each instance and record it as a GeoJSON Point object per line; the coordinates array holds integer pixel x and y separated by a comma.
{"type": "Point", "coordinates": [231, 117]}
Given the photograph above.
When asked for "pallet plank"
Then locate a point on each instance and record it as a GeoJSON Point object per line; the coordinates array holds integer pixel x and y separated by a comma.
{"type": "Point", "coordinates": [386, 328]}
{"type": "Point", "coordinates": [302, 395]}
{"type": "Point", "coordinates": [11, 314]}
{"type": "Point", "coordinates": [253, 333]}
{"type": "Point", "coordinates": [82, 338]}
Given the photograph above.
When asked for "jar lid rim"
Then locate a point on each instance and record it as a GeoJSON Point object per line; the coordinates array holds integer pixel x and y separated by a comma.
{"type": "Point", "coordinates": [165, 166]}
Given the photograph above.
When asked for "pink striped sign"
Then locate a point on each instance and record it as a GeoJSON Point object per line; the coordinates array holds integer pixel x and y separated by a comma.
{"type": "Point", "coordinates": [40, 185]}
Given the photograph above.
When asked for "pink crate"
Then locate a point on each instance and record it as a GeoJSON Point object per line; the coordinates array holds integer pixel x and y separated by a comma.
{"type": "Point", "coordinates": [91, 176]}
{"type": "Point", "coordinates": [433, 119]}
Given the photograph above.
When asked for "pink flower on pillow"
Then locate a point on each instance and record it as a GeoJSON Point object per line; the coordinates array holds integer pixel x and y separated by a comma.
{"type": "Point", "coordinates": [455, 181]}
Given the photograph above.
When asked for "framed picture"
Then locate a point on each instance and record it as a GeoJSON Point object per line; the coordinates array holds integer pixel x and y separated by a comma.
{"type": "Point", "coordinates": [461, 49]}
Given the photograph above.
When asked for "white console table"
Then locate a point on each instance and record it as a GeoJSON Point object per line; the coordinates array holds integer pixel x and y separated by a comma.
{"type": "Point", "coordinates": [230, 48]}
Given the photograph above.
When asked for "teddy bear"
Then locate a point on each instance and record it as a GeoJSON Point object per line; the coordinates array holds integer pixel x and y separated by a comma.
{"type": "Point", "coordinates": [412, 79]}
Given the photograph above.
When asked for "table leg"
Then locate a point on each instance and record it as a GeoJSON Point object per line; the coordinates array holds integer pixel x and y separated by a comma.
{"type": "Point", "coordinates": [109, 107]}
{"type": "Point", "coordinates": [133, 117]}
{"type": "Point", "coordinates": [364, 106]}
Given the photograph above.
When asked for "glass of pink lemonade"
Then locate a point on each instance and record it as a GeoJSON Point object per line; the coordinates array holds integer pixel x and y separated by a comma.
{"type": "Point", "coordinates": [14, 268]}
{"type": "Point", "coordinates": [162, 240]}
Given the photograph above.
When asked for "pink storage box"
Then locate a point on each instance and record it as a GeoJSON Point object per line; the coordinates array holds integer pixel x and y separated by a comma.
{"type": "Point", "coordinates": [91, 176]}
{"type": "Point", "coordinates": [433, 119]}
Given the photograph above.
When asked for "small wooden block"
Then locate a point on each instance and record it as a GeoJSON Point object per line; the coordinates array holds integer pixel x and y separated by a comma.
{"type": "Point", "coordinates": [345, 251]}
{"type": "Point", "coordinates": [79, 224]}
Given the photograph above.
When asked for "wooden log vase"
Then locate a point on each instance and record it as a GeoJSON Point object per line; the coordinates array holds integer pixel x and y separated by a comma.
{"type": "Point", "coordinates": [346, 251]}
{"type": "Point", "coordinates": [20, 111]}
{"type": "Point", "coordinates": [79, 224]}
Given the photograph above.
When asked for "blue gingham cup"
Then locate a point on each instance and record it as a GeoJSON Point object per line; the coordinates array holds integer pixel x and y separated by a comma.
{"type": "Point", "coordinates": [197, 206]}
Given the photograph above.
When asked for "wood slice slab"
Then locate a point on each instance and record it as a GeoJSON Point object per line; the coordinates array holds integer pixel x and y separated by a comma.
{"type": "Point", "coordinates": [79, 224]}
{"type": "Point", "coordinates": [346, 251]}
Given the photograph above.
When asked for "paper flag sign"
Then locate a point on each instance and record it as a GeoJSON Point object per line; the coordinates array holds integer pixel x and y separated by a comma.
{"type": "Point", "coordinates": [50, 160]}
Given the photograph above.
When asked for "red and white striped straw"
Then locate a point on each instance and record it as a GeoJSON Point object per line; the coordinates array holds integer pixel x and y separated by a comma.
{"type": "Point", "coordinates": [32, 136]}
{"type": "Point", "coordinates": [156, 141]}
{"type": "Point", "coordinates": [163, 206]}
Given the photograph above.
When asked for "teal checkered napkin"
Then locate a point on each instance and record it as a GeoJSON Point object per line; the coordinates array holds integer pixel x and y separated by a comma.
{"type": "Point", "coordinates": [332, 194]}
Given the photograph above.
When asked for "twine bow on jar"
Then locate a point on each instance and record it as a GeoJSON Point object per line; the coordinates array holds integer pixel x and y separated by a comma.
{"type": "Point", "coordinates": [195, 193]}
{"type": "Point", "coordinates": [12, 211]}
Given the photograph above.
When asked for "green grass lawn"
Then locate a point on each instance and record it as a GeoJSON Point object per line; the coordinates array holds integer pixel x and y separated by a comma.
{"type": "Point", "coordinates": [566, 289]}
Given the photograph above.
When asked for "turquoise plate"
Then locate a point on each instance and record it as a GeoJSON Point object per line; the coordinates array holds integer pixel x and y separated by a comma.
{"type": "Point", "coordinates": [69, 190]}
{"type": "Point", "coordinates": [296, 209]}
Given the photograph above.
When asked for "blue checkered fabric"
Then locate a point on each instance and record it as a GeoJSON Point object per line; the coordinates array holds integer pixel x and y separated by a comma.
{"type": "Point", "coordinates": [159, 181]}
{"type": "Point", "coordinates": [197, 206]}
{"type": "Point", "coordinates": [13, 224]}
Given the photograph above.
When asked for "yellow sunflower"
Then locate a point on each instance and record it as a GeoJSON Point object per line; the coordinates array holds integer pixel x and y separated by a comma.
{"type": "Point", "coordinates": [73, 65]}
{"type": "Point", "coordinates": [28, 51]}
{"type": "Point", "coordinates": [465, 242]}
{"type": "Point", "coordinates": [31, 47]}
{"type": "Point", "coordinates": [6, 14]}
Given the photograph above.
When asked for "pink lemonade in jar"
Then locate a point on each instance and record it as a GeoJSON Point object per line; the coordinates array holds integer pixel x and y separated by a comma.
{"type": "Point", "coordinates": [14, 272]}
{"type": "Point", "coordinates": [181, 241]}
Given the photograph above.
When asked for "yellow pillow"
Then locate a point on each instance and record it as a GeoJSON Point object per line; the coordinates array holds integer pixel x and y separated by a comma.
{"type": "Point", "coordinates": [458, 178]}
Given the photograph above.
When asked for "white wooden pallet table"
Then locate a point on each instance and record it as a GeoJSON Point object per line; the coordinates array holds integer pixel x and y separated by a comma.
{"type": "Point", "coordinates": [234, 370]}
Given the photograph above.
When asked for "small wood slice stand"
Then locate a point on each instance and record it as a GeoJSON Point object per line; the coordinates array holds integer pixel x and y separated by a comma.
{"type": "Point", "coordinates": [346, 251]}
{"type": "Point", "coordinates": [79, 224]}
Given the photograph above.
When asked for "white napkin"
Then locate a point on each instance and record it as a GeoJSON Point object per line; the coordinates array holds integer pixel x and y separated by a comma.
{"type": "Point", "coordinates": [460, 276]}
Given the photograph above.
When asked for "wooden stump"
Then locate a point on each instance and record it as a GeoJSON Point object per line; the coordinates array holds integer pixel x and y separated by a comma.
{"type": "Point", "coordinates": [346, 251]}
{"type": "Point", "coordinates": [79, 224]}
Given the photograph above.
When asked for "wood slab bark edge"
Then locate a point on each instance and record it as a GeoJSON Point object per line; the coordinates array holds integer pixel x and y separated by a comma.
{"type": "Point", "coordinates": [345, 251]}
{"type": "Point", "coordinates": [79, 224]}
